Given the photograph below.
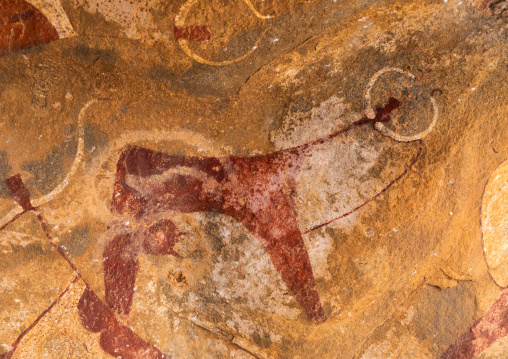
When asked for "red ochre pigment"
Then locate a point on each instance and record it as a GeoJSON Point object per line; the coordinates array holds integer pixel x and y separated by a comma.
{"type": "Point", "coordinates": [23, 26]}
{"type": "Point", "coordinates": [192, 33]}
{"type": "Point", "coordinates": [492, 326]}
{"type": "Point", "coordinates": [115, 339]}
{"type": "Point", "coordinates": [257, 191]}
{"type": "Point", "coordinates": [19, 192]}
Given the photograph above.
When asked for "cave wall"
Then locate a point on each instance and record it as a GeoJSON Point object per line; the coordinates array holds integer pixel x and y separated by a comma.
{"type": "Point", "coordinates": [253, 179]}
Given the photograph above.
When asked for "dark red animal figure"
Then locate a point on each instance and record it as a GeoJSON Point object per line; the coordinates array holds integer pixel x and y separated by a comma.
{"type": "Point", "coordinates": [257, 191]}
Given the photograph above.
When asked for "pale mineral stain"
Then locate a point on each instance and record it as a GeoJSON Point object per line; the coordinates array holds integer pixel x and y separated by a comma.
{"type": "Point", "coordinates": [494, 217]}
{"type": "Point", "coordinates": [55, 13]}
{"type": "Point", "coordinates": [254, 283]}
{"type": "Point", "coordinates": [135, 18]}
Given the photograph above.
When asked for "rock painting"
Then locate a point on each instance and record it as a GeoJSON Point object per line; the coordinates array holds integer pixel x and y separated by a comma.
{"type": "Point", "coordinates": [253, 179]}
{"type": "Point", "coordinates": [493, 325]}
{"type": "Point", "coordinates": [150, 187]}
{"type": "Point", "coordinates": [184, 33]}
{"type": "Point", "coordinates": [115, 339]}
{"type": "Point", "coordinates": [23, 25]}
{"type": "Point", "coordinates": [257, 191]}
{"type": "Point", "coordinates": [490, 328]}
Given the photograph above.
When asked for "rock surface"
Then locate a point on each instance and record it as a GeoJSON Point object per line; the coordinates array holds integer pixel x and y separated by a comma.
{"type": "Point", "coordinates": [253, 179]}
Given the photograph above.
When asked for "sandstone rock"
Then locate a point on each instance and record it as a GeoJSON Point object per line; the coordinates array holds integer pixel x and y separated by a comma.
{"type": "Point", "coordinates": [267, 179]}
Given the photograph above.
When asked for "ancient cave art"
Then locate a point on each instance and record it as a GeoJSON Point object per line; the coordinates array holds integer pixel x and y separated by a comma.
{"type": "Point", "coordinates": [22, 26]}
{"type": "Point", "coordinates": [184, 33]}
{"type": "Point", "coordinates": [493, 325]}
{"type": "Point", "coordinates": [257, 191]}
{"type": "Point", "coordinates": [150, 187]}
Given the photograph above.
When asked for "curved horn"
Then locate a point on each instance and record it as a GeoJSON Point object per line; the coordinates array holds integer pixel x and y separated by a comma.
{"type": "Point", "coordinates": [180, 22]}
{"type": "Point", "coordinates": [401, 138]}
{"type": "Point", "coordinates": [249, 4]}
{"type": "Point", "coordinates": [75, 165]}
{"type": "Point", "coordinates": [380, 126]}
{"type": "Point", "coordinates": [77, 159]}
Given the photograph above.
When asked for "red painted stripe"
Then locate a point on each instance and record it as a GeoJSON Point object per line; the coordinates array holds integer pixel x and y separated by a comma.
{"type": "Point", "coordinates": [192, 33]}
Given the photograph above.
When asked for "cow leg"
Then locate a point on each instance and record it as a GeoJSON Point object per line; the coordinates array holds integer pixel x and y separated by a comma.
{"type": "Point", "coordinates": [120, 269]}
{"type": "Point", "coordinates": [291, 260]}
{"type": "Point", "coordinates": [276, 226]}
